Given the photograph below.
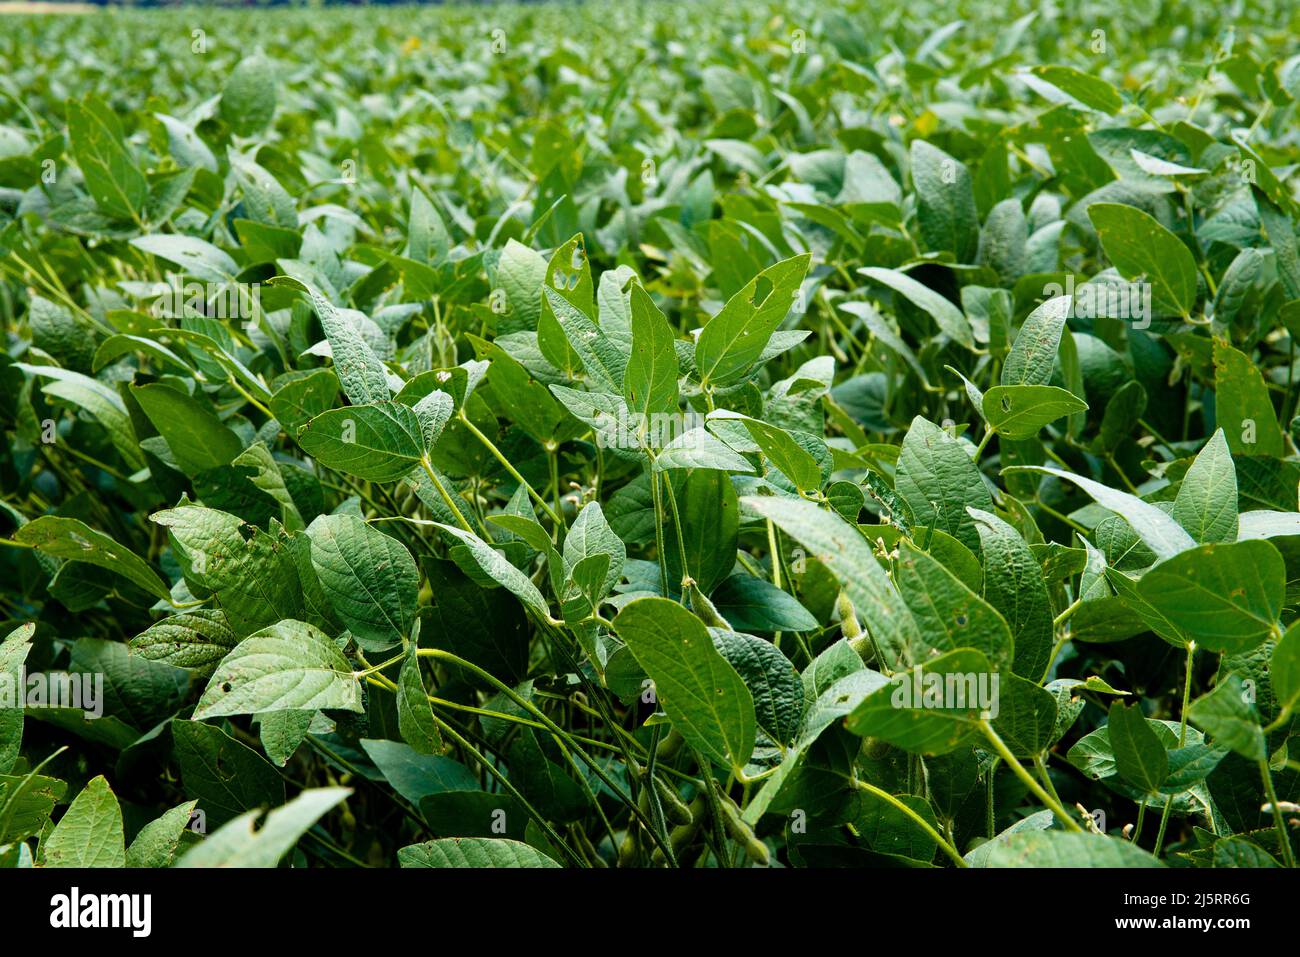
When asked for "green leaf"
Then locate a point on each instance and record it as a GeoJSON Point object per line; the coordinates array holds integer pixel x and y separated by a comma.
{"type": "Point", "coordinates": [948, 614]}
{"type": "Point", "coordinates": [1064, 849]}
{"type": "Point", "coordinates": [1206, 505]}
{"type": "Point", "coordinates": [781, 449]}
{"type": "Point", "coordinates": [1241, 852]}
{"type": "Point", "coordinates": [1013, 584]}
{"type": "Point", "coordinates": [415, 718]}
{"type": "Point", "coordinates": [938, 481]}
{"type": "Point", "coordinates": [414, 775]}
{"type": "Point", "coordinates": [362, 375]}
{"type": "Point", "coordinates": [945, 201]}
{"type": "Point", "coordinates": [1026, 715]}
{"type": "Point", "coordinates": [650, 383]}
{"type": "Point", "coordinates": [591, 535]}
{"type": "Point", "coordinates": [1142, 249]}
{"type": "Point", "coordinates": [225, 776]}
{"type": "Point", "coordinates": [710, 524]}
{"type": "Point", "coordinates": [103, 404]}
{"type": "Point", "coordinates": [1229, 716]}
{"type": "Point", "coordinates": [1158, 531]}
{"type": "Point", "coordinates": [601, 359]}
{"type": "Point", "coordinates": [1140, 758]}
{"type": "Point", "coordinates": [369, 578]}
{"type": "Point", "coordinates": [253, 573]}
{"type": "Point", "coordinates": [158, 841]}
{"type": "Point", "coordinates": [913, 712]}
{"type": "Point", "coordinates": [1243, 408]}
{"type": "Point", "coordinates": [699, 448]}
{"type": "Point", "coordinates": [951, 321]}
{"type": "Point", "coordinates": [75, 541]}
{"type": "Point", "coordinates": [1228, 597]}
{"type": "Point", "coordinates": [248, 99]}
{"type": "Point", "coordinates": [704, 697]}
{"type": "Point", "coordinates": [755, 604]}
{"type": "Point", "coordinates": [525, 399]}
{"type": "Point", "coordinates": [196, 437]}
{"type": "Point", "coordinates": [138, 692]}
{"type": "Point", "coordinates": [195, 257]}
{"type": "Point", "coordinates": [303, 398]}
{"type": "Point", "coordinates": [238, 844]}
{"type": "Point", "coordinates": [521, 272]}
{"type": "Point", "coordinates": [1123, 411]}
{"type": "Point", "coordinates": [472, 852]}
{"type": "Point", "coordinates": [379, 443]}
{"type": "Point", "coordinates": [90, 833]}
{"type": "Point", "coordinates": [13, 655]}
{"type": "Point", "coordinates": [98, 145]}
{"type": "Point", "coordinates": [771, 679]}
{"type": "Point", "coordinates": [842, 549]}
{"type": "Point", "coordinates": [1019, 411]}
{"type": "Point", "coordinates": [289, 666]}
{"type": "Point", "coordinates": [427, 238]}
{"type": "Point", "coordinates": [732, 341]}
{"type": "Point", "coordinates": [1033, 354]}
{"type": "Point", "coordinates": [433, 411]}
{"type": "Point", "coordinates": [1092, 91]}
{"type": "Point", "coordinates": [1283, 669]}
{"type": "Point", "coordinates": [492, 564]}
{"type": "Point", "coordinates": [283, 732]}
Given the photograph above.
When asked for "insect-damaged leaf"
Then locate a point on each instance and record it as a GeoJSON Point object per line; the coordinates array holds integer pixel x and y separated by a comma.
{"type": "Point", "coordinates": [237, 844]}
{"type": "Point", "coordinates": [287, 666]}
{"type": "Point", "coordinates": [731, 342]}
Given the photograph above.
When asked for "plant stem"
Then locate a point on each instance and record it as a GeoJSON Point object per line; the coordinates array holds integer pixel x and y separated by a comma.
{"type": "Point", "coordinates": [920, 822]}
{"type": "Point", "coordinates": [505, 463]}
{"type": "Point", "coordinates": [1182, 740]}
{"type": "Point", "coordinates": [677, 526]}
{"type": "Point", "coordinates": [1048, 801]}
{"type": "Point", "coordinates": [1279, 822]}
{"type": "Point", "coordinates": [656, 493]}
{"type": "Point", "coordinates": [446, 497]}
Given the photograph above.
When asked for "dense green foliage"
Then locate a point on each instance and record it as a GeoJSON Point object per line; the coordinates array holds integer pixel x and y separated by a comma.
{"type": "Point", "coordinates": [650, 435]}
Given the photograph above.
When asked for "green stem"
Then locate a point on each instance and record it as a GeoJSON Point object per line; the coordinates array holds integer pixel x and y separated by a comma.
{"type": "Point", "coordinates": [1048, 801]}
{"type": "Point", "coordinates": [1182, 741]}
{"type": "Point", "coordinates": [446, 497]}
{"type": "Point", "coordinates": [677, 526]}
{"type": "Point", "coordinates": [505, 463]}
{"type": "Point", "coordinates": [656, 493]}
{"type": "Point", "coordinates": [558, 733]}
{"type": "Point", "coordinates": [510, 789]}
{"type": "Point", "coordinates": [1279, 822]}
{"type": "Point", "coordinates": [920, 822]}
